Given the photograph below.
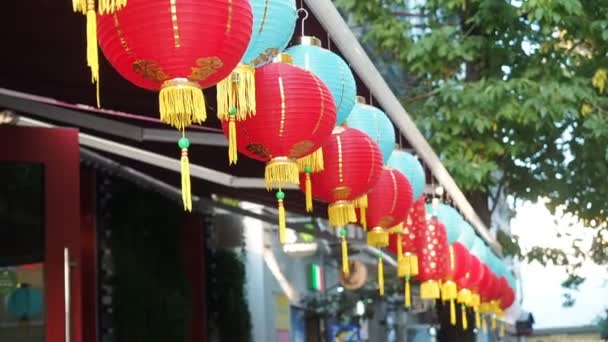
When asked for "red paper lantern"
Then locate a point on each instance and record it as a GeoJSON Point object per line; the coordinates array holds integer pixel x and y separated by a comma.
{"type": "Point", "coordinates": [177, 47]}
{"type": "Point", "coordinates": [352, 166]}
{"type": "Point", "coordinates": [388, 203]}
{"type": "Point", "coordinates": [295, 115]}
{"type": "Point", "coordinates": [458, 265]}
{"type": "Point", "coordinates": [433, 258]}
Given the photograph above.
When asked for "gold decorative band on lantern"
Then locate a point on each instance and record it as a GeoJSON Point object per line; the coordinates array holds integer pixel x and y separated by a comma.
{"type": "Point", "coordinates": [283, 57]}
{"type": "Point", "coordinates": [341, 213]}
{"type": "Point", "coordinates": [430, 289]}
{"type": "Point", "coordinates": [377, 237]}
{"type": "Point", "coordinates": [236, 94]}
{"type": "Point", "coordinates": [181, 103]}
{"type": "Point", "coordinates": [281, 171]}
{"type": "Point", "coordinates": [313, 160]}
{"type": "Point", "coordinates": [308, 40]}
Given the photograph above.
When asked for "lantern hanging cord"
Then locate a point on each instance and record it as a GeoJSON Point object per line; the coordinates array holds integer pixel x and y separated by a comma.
{"type": "Point", "coordinates": [302, 10]}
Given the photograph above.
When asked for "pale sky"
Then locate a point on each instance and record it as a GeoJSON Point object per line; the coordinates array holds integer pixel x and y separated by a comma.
{"type": "Point", "coordinates": [541, 285]}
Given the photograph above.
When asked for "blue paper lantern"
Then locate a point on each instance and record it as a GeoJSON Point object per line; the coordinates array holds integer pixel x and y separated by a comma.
{"type": "Point", "coordinates": [449, 217]}
{"type": "Point", "coordinates": [273, 25]}
{"type": "Point", "coordinates": [331, 69]}
{"type": "Point", "coordinates": [376, 124]}
{"type": "Point", "coordinates": [25, 303]}
{"type": "Point", "coordinates": [467, 234]}
{"type": "Point", "coordinates": [411, 168]}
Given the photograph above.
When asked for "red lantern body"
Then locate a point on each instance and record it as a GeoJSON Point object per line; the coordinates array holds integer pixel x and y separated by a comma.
{"type": "Point", "coordinates": [352, 165]}
{"type": "Point", "coordinates": [389, 200]}
{"type": "Point", "coordinates": [295, 114]}
{"type": "Point", "coordinates": [152, 41]}
{"type": "Point", "coordinates": [433, 257]}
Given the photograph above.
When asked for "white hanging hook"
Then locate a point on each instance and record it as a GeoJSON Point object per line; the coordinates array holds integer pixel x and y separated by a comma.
{"type": "Point", "coordinates": [302, 10]}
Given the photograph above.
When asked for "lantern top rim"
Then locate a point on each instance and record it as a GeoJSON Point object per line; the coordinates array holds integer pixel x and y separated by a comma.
{"type": "Point", "coordinates": [308, 40]}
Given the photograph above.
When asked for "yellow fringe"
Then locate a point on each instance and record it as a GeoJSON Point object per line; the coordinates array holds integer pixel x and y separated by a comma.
{"type": "Point", "coordinates": [237, 91]}
{"type": "Point", "coordinates": [408, 293]}
{"type": "Point", "coordinates": [313, 160]}
{"type": "Point", "coordinates": [345, 265]}
{"type": "Point", "coordinates": [280, 171]}
{"type": "Point", "coordinates": [430, 290]}
{"type": "Point", "coordinates": [92, 52]}
{"type": "Point", "coordinates": [360, 202]}
{"type": "Point", "coordinates": [308, 193]}
{"type": "Point", "coordinates": [377, 237]}
{"type": "Point", "coordinates": [232, 147]}
{"type": "Point", "coordinates": [363, 217]}
{"type": "Point", "coordinates": [464, 297]}
{"type": "Point", "coordinates": [282, 225]}
{"type": "Point", "coordinates": [341, 213]}
{"type": "Point", "coordinates": [186, 187]}
{"type": "Point", "coordinates": [381, 275]}
{"type": "Point", "coordinates": [181, 103]}
{"type": "Point", "coordinates": [449, 291]}
{"type": "Point", "coordinates": [110, 6]}
{"type": "Point", "coordinates": [465, 322]}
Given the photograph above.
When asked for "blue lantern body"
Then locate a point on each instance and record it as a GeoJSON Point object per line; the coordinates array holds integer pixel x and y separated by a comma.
{"type": "Point", "coordinates": [449, 217]}
{"type": "Point", "coordinates": [273, 25]}
{"type": "Point", "coordinates": [376, 124]}
{"type": "Point", "coordinates": [467, 234]}
{"type": "Point", "coordinates": [25, 303]}
{"type": "Point", "coordinates": [411, 168]}
{"type": "Point", "coordinates": [332, 70]}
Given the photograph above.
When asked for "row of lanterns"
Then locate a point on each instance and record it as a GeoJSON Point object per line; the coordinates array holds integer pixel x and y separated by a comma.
{"type": "Point", "coordinates": [298, 112]}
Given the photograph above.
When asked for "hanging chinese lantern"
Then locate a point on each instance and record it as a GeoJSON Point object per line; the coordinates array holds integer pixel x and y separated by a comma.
{"type": "Point", "coordinates": [411, 168]}
{"type": "Point", "coordinates": [90, 8]}
{"type": "Point", "coordinates": [407, 264]}
{"type": "Point", "coordinates": [331, 69]}
{"type": "Point", "coordinates": [178, 48]}
{"type": "Point", "coordinates": [458, 265]}
{"type": "Point", "coordinates": [295, 116]}
{"type": "Point", "coordinates": [273, 25]}
{"type": "Point", "coordinates": [389, 201]}
{"type": "Point", "coordinates": [353, 164]}
{"type": "Point", "coordinates": [373, 122]}
{"type": "Point", "coordinates": [433, 257]}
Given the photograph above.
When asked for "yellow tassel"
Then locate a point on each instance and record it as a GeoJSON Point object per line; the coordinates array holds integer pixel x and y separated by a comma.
{"type": "Point", "coordinates": [341, 213]}
{"type": "Point", "coordinates": [282, 225]}
{"type": "Point", "coordinates": [465, 322]}
{"type": "Point", "coordinates": [181, 103]}
{"type": "Point", "coordinates": [186, 189]}
{"type": "Point", "coordinates": [408, 293]}
{"type": "Point", "coordinates": [308, 193]}
{"type": "Point", "coordinates": [92, 52]}
{"type": "Point", "coordinates": [280, 171]}
{"type": "Point", "coordinates": [110, 6]}
{"type": "Point", "coordinates": [430, 289]}
{"type": "Point", "coordinates": [363, 217]}
{"type": "Point", "coordinates": [345, 265]}
{"type": "Point", "coordinates": [314, 161]}
{"type": "Point", "coordinates": [232, 147]}
{"type": "Point", "coordinates": [237, 93]}
{"type": "Point", "coordinates": [452, 312]}
{"type": "Point", "coordinates": [377, 237]}
{"type": "Point", "coordinates": [449, 291]}
{"type": "Point", "coordinates": [380, 275]}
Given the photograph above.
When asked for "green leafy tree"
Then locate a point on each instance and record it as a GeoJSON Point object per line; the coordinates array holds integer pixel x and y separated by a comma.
{"type": "Point", "coordinates": [513, 94]}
